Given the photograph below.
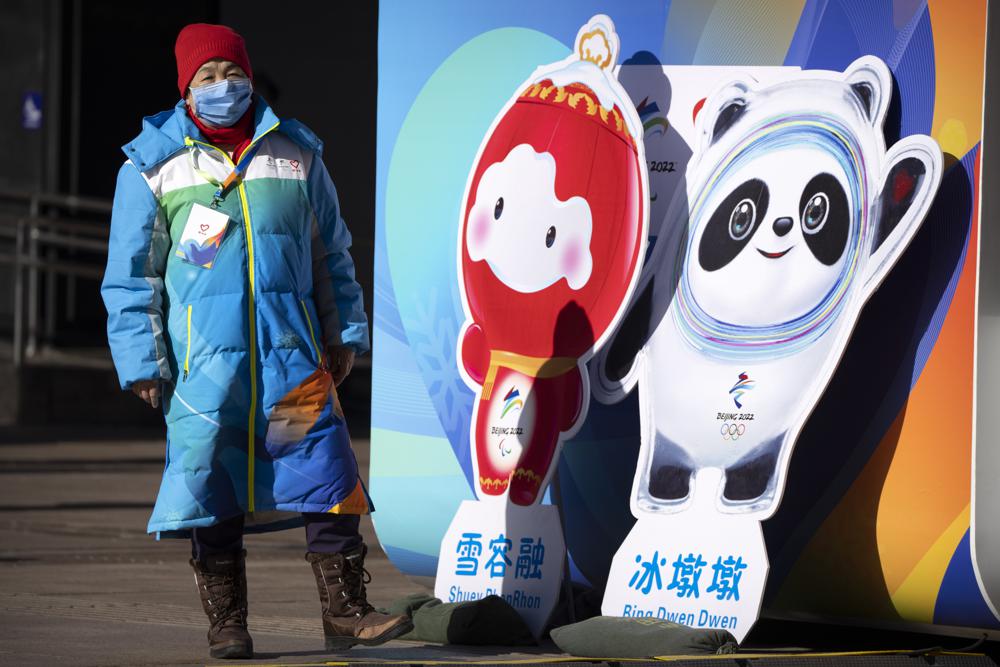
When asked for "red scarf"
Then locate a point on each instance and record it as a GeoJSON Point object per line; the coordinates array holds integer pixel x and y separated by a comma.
{"type": "Point", "coordinates": [238, 135]}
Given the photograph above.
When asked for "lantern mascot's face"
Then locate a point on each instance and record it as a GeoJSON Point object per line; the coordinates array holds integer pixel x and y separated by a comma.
{"type": "Point", "coordinates": [552, 233]}
{"type": "Point", "coordinates": [795, 212]}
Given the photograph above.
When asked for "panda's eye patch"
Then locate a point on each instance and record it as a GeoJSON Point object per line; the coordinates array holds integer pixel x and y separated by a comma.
{"type": "Point", "coordinates": [825, 218]}
{"type": "Point", "coordinates": [550, 237]}
{"type": "Point", "coordinates": [498, 209]}
{"type": "Point", "coordinates": [733, 224]}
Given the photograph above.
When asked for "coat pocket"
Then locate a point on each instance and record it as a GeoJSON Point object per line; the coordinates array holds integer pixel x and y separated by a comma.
{"type": "Point", "coordinates": [312, 334]}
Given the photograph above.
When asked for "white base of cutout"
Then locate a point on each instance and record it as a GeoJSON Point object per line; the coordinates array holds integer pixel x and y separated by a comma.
{"type": "Point", "coordinates": [526, 576]}
{"type": "Point", "coordinates": [704, 570]}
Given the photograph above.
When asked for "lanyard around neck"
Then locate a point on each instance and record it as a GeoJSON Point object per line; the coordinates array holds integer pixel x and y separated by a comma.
{"type": "Point", "coordinates": [235, 177]}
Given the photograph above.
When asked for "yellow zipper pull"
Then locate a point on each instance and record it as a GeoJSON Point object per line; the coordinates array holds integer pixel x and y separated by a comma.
{"type": "Point", "coordinates": [187, 354]}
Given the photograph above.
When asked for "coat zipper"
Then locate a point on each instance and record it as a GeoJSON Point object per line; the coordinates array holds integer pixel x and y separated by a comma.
{"type": "Point", "coordinates": [187, 353]}
{"type": "Point", "coordinates": [252, 316]}
{"type": "Point", "coordinates": [252, 313]}
{"type": "Point", "coordinates": [312, 333]}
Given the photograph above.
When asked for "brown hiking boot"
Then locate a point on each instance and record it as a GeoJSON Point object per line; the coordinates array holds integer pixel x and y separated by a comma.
{"type": "Point", "coordinates": [348, 619]}
{"type": "Point", "coordinates": [222, 585]}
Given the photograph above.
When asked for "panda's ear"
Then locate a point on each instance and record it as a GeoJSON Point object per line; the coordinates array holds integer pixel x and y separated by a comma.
{"type": "Point", "coordinates": [871, 87]}
{"type": "Point", "coordinates": [720, 112]}
{"type": "Point", "coordinates": [910, 179]}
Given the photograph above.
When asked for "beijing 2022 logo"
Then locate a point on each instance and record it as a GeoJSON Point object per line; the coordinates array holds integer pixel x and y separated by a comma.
{"type": "Point", "coordinates": [734, 425]}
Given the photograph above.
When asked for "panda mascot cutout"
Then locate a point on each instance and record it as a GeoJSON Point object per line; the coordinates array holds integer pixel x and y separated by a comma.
{"type": "Point", "coordinates": [795, 212]}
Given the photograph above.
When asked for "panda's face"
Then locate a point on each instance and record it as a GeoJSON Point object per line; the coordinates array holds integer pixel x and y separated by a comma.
{"type": "Point", "coordinates": [771, 240]}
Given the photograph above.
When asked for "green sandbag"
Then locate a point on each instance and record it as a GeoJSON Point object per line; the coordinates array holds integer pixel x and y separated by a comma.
{"type": "Point", "coordinates": [612, 637]}
{"type": "Point", "coordinates": [489, 621]}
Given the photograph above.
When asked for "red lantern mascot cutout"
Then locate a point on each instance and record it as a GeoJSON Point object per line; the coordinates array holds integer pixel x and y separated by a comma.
{"type": "Point", "coordinates": [552, 235]}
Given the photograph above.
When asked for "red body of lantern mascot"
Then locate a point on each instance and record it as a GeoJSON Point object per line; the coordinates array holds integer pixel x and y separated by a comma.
{"type": "Point", "coordinates": [552, 231]}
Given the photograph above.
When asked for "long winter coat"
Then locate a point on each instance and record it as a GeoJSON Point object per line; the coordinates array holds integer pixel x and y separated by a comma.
{"type": "Point", "coordinates": [253, 422]}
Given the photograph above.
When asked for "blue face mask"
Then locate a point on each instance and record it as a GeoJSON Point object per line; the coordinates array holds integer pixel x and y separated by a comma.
{"type": "Point", "coordinates": [222, 104]}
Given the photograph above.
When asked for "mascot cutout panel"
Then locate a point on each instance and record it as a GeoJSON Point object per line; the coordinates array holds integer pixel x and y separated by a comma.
{"type": "Point", "coordinates": [552, 236]}
{"type": "Point", "coordinates": [794, 213]}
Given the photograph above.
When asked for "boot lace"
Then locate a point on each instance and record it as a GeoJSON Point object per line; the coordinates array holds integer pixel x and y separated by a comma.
{"type": "Point", "coordinates": [355, 578]}
{"type": "Point", "coordinates": [224, 598]}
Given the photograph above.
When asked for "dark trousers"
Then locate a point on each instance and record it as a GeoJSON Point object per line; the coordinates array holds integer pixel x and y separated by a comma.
{"type": "Point", "coordinates": [325, 533]}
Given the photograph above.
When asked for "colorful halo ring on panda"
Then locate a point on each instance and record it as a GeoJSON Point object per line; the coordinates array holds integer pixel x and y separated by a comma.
{"type": "Point", "coordinates": [725, 340]}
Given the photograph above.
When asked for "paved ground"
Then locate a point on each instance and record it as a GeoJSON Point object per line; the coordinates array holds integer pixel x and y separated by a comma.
{"type": "Point", "coordinates": [81, 583]}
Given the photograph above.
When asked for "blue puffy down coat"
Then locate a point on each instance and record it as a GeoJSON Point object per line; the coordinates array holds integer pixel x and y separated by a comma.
{"type": "Point", "coordinates": [237, 335]}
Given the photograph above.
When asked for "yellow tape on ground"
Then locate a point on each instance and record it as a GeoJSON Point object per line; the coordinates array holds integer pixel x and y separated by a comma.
{"type": "Point", "coordinates": [666, 658]}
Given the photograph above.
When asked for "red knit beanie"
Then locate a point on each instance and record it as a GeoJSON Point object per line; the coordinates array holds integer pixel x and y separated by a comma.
{"type": "Point", "coordinates": [198, 43]}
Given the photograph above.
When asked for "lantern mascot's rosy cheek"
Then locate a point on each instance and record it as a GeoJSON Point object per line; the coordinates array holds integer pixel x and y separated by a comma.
{"type": "Point", "coordinates": [552, 235]}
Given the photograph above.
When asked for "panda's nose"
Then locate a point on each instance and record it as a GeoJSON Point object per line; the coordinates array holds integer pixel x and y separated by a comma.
{"type": "Point", "coordinates": [782, 226]}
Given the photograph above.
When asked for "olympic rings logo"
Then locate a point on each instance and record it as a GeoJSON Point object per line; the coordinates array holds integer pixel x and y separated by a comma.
{"type": "Point", "coordinates": [732, 431]}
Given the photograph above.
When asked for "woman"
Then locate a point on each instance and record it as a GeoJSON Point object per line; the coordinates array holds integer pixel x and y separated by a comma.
{"type": "Point", "coordinates": [231, 294]}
